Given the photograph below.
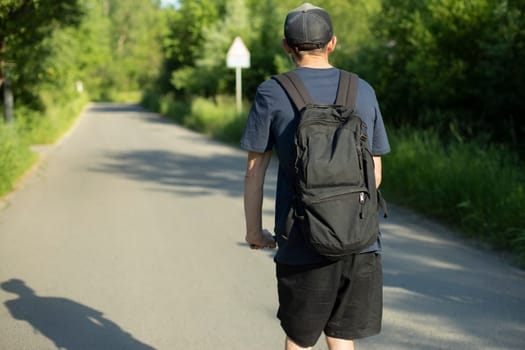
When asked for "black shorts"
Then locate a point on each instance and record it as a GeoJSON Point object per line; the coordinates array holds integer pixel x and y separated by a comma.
{"type": "Point", "coordinates": [344, 299]}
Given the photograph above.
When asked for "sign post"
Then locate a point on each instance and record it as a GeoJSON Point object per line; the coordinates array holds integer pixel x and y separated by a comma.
{"type": "Point", "coordinates": [238, 57]}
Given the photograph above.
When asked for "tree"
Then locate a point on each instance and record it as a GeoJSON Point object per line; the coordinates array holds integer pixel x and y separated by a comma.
{"type": "Point", "coordinates": [24, 24]}
{"type": "Point", "coordinates": [267, 55]}
{"type": "Point", "coordinates": [452, 65]}
{"type": "Point", "coordinates": [208, 75]}
{"type": "Point", "coordinates": [135, 32]}
{"type": "Point", "coordinates": [184, 39]}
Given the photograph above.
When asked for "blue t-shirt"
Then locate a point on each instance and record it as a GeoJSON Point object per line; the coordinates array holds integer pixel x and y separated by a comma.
{"type": "Point", "coordinates": [272, 123]}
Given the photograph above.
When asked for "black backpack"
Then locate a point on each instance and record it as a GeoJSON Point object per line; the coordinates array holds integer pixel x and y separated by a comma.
{"type": "Point", "coordinates": [336, 201]}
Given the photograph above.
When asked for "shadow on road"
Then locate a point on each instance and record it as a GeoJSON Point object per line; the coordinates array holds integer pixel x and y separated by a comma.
{"type": "Point", "coordinates": [195, 169]}
{"type": "Point", "coordinates": [116, 107]}
{"type": "Point", "coordinates": [180, 173]}
{"type": "Point", "coordinates": [70, 325]}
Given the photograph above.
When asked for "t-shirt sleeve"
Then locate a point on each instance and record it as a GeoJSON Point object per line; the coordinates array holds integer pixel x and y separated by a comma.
{"type": "Point", "coordinates": [377, 136]}
{"type": "Point", "coordinates": [380, 144]}
{"type": "Point", "coordinates": [257, 136]}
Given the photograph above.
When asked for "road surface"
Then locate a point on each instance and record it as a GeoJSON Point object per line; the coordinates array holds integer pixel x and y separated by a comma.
{"type": "Point", "coordinates": [129, 235]}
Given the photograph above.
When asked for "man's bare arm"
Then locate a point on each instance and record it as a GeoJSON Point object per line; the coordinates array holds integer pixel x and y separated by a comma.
{"type": "Point", "coordinates": [257, 165]}
{"type": "Point", "coordinates": [378, 170]}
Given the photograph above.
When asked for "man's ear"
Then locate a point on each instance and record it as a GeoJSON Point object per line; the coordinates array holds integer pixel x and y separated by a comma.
{"type": "Point", "coordinates": [286, 47]}
{"type": "Point", "coordinates": [331, 44]}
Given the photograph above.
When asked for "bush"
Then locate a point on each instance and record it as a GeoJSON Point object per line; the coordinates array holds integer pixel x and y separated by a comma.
{"type": "Point", "coordinates": [232, 130]}
{"type": "Point", "coordinates": [47, 127]}
{"type": "Point", "coordinates": [214, 117]}
{"type": "Point", "coordinates": [174, 109]}
{"type": "Point", "coordinates": [217, 118]}
{"type": "Point", "coordinates": [151, 100]}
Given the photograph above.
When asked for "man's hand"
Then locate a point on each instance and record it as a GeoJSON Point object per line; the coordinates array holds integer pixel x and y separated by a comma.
{"type": "Point", "coordinates": [262, 240]}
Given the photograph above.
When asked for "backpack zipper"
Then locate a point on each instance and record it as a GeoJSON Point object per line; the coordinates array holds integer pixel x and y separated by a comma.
{"type": "Point", "coordinates": [329, 196]}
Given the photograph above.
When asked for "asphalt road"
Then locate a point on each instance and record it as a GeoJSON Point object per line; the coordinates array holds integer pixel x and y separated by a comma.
{"type": "Point", "coordinates": [129, 235]}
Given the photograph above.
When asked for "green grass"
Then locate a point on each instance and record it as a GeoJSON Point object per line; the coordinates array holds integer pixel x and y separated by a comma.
{"type": "Point", "coordinates": [475, 188]}
{"type": "Point", "coordinates": [126, 96]}
{"type": "Point", "coordinates": [15, 158]}
{"type": "Point", "coordinates": [132, 96]}
{"type": "Point", "coordinates": [47, 127]}
{"type": "Point", "coordinates": [174, 109]}
{"type": "Point", "coordinates": [217, 117]}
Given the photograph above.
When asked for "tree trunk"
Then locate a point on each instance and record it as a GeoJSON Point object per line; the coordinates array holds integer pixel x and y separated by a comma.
{"type": "Point", "coordinates": [5, 82]}
{"type": "Point", "coordinates": [2, 61]}
{"type": "Point", "coordinates": [8, 101]}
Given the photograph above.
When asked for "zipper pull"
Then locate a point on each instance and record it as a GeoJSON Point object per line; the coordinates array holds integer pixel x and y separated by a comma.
{"type": "Point", "coordinates": [362, 202]}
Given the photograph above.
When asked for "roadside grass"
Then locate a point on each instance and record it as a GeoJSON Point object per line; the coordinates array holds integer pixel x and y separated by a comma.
{"type": "Point", "coordinates": [474, 188]}
{"type": "Point", "coordinates": [32, 128]}
{"type": "Point", "coordinates": [15, 157]}
{"type": "Point", "coordinates": [217, 117]}
{"type": "Point", "coordinates": [47, 127]}
{"type": "Point", "coordinates": [130, 96]}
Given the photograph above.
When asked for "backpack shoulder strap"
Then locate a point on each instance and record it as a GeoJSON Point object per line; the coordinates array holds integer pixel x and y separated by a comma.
{"type": "Point", "coordinates": [347, 90]}
{"type": "Point", "coordinates": [294, 87]}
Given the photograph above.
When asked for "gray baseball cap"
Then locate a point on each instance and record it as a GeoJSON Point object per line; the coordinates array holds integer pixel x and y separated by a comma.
{"type": "Point", "coordinates": [308, 27]}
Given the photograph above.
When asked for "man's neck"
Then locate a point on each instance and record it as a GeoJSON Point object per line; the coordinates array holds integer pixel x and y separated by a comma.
{"type": "Point", "coordinates": [313, 61]}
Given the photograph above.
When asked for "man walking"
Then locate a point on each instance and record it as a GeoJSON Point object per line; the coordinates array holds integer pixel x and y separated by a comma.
{"type": "Point", "coordinates": [341, 298]}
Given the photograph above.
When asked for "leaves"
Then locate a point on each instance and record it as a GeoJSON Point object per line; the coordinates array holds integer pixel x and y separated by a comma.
{"type": "Point", "coordinates": [106, 44]}
{"type": "Point", "coordinates": [456, 65]}
{"type": "Point", "coordinates": [461, 57]}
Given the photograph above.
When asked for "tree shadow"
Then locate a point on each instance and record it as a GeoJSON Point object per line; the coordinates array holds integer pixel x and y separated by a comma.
{"type": "Point", "coordinates": [70, 325]}
{"type": "Point", "coordinates": [116, 107]}
{"type": "Point", "coordinates": [181, 173]}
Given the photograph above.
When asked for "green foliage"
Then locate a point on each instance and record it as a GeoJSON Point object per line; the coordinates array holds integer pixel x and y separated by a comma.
{"type": "Point", "coordinates": [201, 32]}
{"type": "Point", "coordinates": [217, 118]}
{"type": "Point", "coordinates": [117, 47]}
{"type": "Point", "coordinates": [45, 128]}
{"type": "Point", "coordinates": [107, 45]}
{"type": "Point", "coordinates": [351, 21]}
{"type": "Point", "coordinates": [135, 31]}
{"type": "Point", "coordinates": [267, 56]}
{"type": "Point", "coordinates": [461, 58]}
{"type": "Point", "coordinates": [212, 117]}
{"type": "Point", "coordinates": [477, 188]}
{"type": "Point", "coordinates": [151, 100]}
{"type": "Point", "coordinates": [24, 26]}
{"type": "Point", "coordinates": [208, 75]}
{"type": "Point", "coordinates": [177, 110]}
{"type": "Point", "coordinates": [184, 39]}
